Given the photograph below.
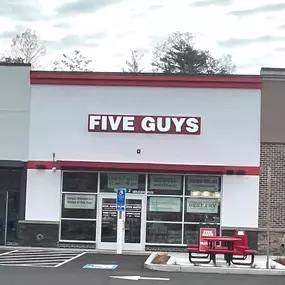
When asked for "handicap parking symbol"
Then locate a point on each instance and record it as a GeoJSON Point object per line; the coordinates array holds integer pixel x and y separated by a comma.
{"type": "Point", "coordinates": [100, 266]}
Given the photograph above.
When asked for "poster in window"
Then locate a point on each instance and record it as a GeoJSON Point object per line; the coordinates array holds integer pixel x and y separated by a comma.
{"type": "Point", "coordinates": [164, 204]}
{"type": "Point", "coordinates": [75, 201]}
{"type": "Point", "coordinates": [165, 182]}
{"type": "Point", "coordinates": [206, 206]}
{"type": "Point", "coordinates": [203, 183]}
{"type": "Point", "coordinates": [119, 180]}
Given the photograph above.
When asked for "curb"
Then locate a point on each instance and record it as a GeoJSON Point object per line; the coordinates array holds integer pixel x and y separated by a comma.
{"type": "Point", "coordinates": [211, 270]}
{"type": "Point", "coordinates": [87, 250]}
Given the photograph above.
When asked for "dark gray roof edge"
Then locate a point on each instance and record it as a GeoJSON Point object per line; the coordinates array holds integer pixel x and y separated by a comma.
{"type": "Point", "coordinates": [14, 64]}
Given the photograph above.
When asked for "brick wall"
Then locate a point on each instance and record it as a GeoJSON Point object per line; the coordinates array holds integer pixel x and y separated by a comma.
{"type": "Point", "coordinates": [273, 155]}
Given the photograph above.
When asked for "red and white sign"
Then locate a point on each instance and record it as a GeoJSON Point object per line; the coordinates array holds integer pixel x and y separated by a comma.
{"type": "Point", "coordinates": [144, 124]}
{"type": "Point", "coordinates": [205, 232]}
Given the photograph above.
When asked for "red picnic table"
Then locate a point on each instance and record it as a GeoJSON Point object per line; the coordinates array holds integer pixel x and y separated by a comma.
{"type": "Point", "coordinates": [235, 248]}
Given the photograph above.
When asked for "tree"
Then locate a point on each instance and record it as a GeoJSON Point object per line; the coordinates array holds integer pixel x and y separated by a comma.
{"type": "Point", "coordinates": [26, 47]}
{"type": "Point", "coordinates": [8, 59]}
{"type": "Point", "coordinates": [133, 64]}
{"type": "Point", "coordinates": [75, 61]}
{"type": "Point", "coordinates": [178, 54]}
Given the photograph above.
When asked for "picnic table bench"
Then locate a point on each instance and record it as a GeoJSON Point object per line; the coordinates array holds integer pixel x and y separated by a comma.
{"type": "Point", "coordinates": [235, 248]}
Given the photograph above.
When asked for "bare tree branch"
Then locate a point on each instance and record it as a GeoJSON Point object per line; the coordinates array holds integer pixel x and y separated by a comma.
{"type": "Point", "coordinates": [27, 46]}
{"type": "Point", "coordinates": [133, 64]}
{"type": "Point", "coordinates": [74, 61]}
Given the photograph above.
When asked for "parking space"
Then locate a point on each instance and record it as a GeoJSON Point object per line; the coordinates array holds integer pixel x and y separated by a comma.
{"type": "Point", "coordinates": [113, 262]}
{"type": "Point", "coordinates": [38, 257]}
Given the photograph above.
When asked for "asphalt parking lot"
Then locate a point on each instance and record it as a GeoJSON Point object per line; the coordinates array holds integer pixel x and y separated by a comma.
{"type": "Point", "coordinates": [73, 273]}
{"type": "Point", "coordinates": [38, 257]}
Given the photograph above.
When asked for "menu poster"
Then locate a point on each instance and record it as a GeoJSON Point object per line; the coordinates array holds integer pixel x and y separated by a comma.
{"type": "Point", "coordinates": [203, 183]}
{"type": "Point", "coordinates": [206, 206]}
{"type": "Point", "coordinates": [165, 182]}
{"type": "Point", "coordinates": [164, 204]}
{"type": "Point", "coordinates": [120, 180]}
{"type": "Point", "coordinates": [76, 201]}
{"type": "Point", "coordinates": [109, 210]}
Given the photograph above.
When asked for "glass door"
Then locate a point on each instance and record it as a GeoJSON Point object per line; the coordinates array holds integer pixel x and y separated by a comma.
{"type": "Point", "coordinates": [13, 204]}
{"type": "Point", "coordinates": [3, 218]}
{"type": "Point", "coordinates": [134, 222]}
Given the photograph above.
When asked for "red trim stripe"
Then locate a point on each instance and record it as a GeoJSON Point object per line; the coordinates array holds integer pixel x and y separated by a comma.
{"type": "Point", "coordinates": [142, 167]}
{"type": "Point", "coordinates": [149, 80]}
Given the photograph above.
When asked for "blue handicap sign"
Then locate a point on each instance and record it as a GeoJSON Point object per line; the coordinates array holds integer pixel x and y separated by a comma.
{"type": "Point", "coordinates": [100, 266]}
{"type": "Point", "coordinates": [121, 199]}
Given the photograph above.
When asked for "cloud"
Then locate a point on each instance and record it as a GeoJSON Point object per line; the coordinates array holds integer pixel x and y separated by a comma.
{"type": "Point", "coordinates": [234, 42]}
{"type": "Point", "coordinates": [205, 3]}
{"type": "Point", "coordinates": [62, 25]}
{"type": "Point", "coordinates": [21, 10]}
{"type": "Point", "coordinates": [145, 12]}
{"type": "Point", "coordinates": [282, 27]}
{"type": "Point", "coordinates": [8, 35]}
{"type": "Point", "coordinates": [84, 6]}
{"type": "Point", "coordinates": [280, 49]}
{"type": "Point", "coordinates": [277, 7]}
{"type": "Point", "coordinates": [75, 42]}
{"type": "Point", "coordinates": [18, 29]}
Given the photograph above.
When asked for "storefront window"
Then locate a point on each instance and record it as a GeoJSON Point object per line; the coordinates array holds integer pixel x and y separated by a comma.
{"type": "Point", "coordinates": [134, 183]}
{"type": "Point", "coordinates": [164, 209]}
{"type": "Point", "coordinates": [78, 230]}
{"type": "Point", "coordinates": [165, 184]}
{"type": "Point", "coordinates": [175, 211]}
{"type": "Point", "coordinates": [79, 182]}
{"type": "Point", "coordinates": [10, 179]}
{"type": "Point", "coordinates": [191, 232]}
{"type": "Point", "coordinates": [202, 210]}
{"type": "Point", "coordinates": [203, 186]}
{"type": "Point", "coordinates": [79, 206]}
{"type": "Point", "coordinates": [164, 233]}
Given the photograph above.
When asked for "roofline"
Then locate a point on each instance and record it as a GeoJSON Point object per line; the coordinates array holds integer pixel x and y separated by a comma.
{"type": "Point", "coordinates": [3, 63]}
{"type": "Point", "coordinates": [272, 73]}
{"type": "Point", "coordinates": [145, 79]}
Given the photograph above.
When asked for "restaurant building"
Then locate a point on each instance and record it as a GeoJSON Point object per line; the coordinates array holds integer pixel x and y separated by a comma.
{"type": "Point", "coordinates": [186, 148]}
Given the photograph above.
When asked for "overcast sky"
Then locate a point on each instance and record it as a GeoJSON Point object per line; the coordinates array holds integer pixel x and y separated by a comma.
{"type": "Point", "coordinates": [252, 31]}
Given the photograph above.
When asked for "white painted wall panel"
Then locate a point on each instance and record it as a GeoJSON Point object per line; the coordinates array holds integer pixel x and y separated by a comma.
{"type": "Point", "coordinates": [240, 199]}
{"type": "Point", "coordinates": [43, 195]}
{"type": "Point", "coordinates": [14, 112]}
{"type": "Point", "coordinates": [230, 125]}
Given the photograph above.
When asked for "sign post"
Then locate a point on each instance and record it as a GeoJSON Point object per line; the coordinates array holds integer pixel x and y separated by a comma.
{"type": "Point", "coordinates": [121, 201]}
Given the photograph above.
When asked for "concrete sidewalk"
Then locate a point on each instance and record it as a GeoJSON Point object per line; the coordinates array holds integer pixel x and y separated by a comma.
{"type": "Point", "coordinates": [179, 262]}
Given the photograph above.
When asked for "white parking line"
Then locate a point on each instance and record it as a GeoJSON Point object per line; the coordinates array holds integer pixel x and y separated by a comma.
{"type": "Point", "coordinates": [34, 258]}
{"type": "Point", "coordinates": [37, 256]}
{"type": "Point", "coordinates": [30, 265]}
{"type": "Point", "coordinates": [43, 252]}
{"type": "Point", "coordinates": [68, 260]}
{"type": "Point", "coordinates": [8, 252]}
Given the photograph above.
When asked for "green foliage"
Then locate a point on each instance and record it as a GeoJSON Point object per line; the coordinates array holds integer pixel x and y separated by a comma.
{"type": "Point", "coordinates": [8, 59]}
{"type": "Point", "coordinates": [74, 61]}
{"type": "Point", "coordinates": [178, 54]}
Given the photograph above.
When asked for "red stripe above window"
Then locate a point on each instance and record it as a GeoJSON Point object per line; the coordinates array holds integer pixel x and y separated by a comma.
{"type": "Point", "coordinates": [144, 167]}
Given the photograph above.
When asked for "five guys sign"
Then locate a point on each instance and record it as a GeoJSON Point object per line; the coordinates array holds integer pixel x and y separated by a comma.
{"type": "Point", "coordinates": [144, 124]}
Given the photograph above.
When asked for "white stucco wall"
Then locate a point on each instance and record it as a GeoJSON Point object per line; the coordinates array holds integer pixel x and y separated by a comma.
{"type": "Point", "coordinates": [230, 120]}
